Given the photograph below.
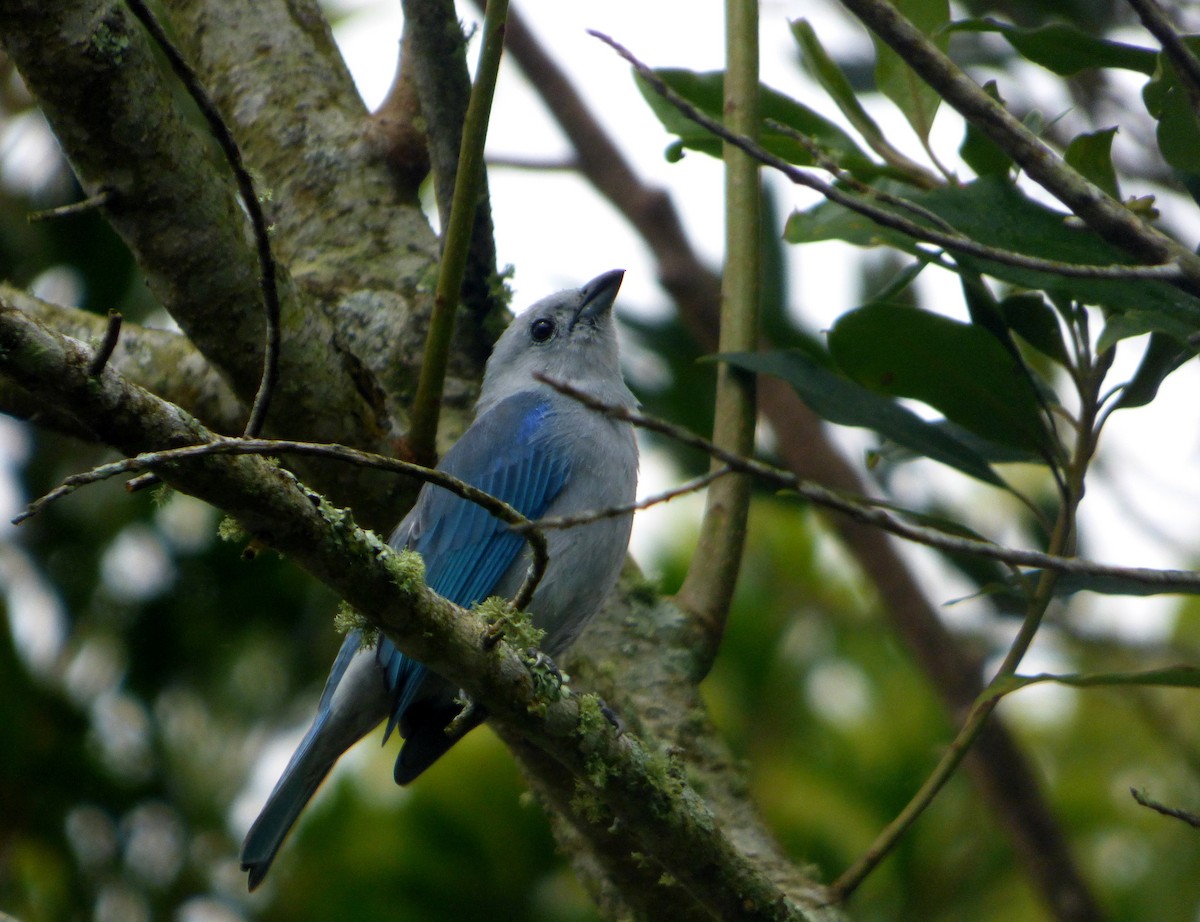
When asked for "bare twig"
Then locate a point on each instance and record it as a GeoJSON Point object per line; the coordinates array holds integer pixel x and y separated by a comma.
{"type": "Point", "coordinates": [233, 155]}
{"type": "Point", "coordinates": [863, 510]}
{"type": "Point", "coordinates": [950, 240]}
{"type": "Point", "coordinates": [91, 203]}
{"type": "Point", "coordinates": [149, 461]}
{"type": "Point", "coordinates": [104, 351]}
{"type": "Point", "coordinates": [583, 518]}
{"type": "Point", "coordinates": [1188, 817]}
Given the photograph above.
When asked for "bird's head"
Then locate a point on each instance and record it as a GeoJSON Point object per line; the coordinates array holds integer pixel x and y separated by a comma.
{"type": "Point", "coordinates": [569, 335]}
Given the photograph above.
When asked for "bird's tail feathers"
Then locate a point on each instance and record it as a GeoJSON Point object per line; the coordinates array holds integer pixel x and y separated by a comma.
{"type": "Point", "coordinates": [304, 773]}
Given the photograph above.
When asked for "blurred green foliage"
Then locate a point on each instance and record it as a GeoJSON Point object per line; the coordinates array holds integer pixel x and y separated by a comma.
{"type": "Point", "coordinates": [129, 754]}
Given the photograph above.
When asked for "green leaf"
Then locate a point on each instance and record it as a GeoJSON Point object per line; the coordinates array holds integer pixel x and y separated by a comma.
{"type": "Point", "coordinates": [983, 309]}
{"type": "Point", "coordinates": [1136, 323]}
{"type": "Point", "coordinates": [981, 153]}
{"type": "Point", "coordinates": [845, 403]}
{"type": "Point", "coordinates": [899, 82]}
{"type": "Point", "coordinates": [958, 369]}
{"type": "Point", "coordinates": [1163, 355]}
{"type": "Point", "coordinates": [1091, 155]}
{"type": "Point", "coordinates": [818, 63]}
{"type": "Point", "coordinates": [1030, 317]}
{"type": "Point", "coordinates": [705, 92]}
{"type": "Point", "coordinates": [1064, 49]}
{"type": "Point", "coordinates": [1178, 131]}
{"type": "Point", "coordinates": [996, 213]}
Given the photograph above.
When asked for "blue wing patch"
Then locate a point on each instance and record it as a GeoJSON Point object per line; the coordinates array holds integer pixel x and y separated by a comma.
{"type": "Point", "coordinates": [466, 549]}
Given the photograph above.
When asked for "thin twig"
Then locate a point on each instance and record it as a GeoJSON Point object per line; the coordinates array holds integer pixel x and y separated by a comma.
{"type": "Point", "coordinates": [104, 351]}
{"type": "Point", "coordinates": [613, 512]}
{"type": "Point", "coordinates": [154, 459]}
{"type": "Point", "coordinates": [233, 155]}
{"type": "Point", "coordinates": [955, 242]}
{"type": "Point", "coordinates": [1191, 819]}
{"type": "Point", "coordinates": [862, 510]}
{"type": "Point", "coordinates": [91, 203]}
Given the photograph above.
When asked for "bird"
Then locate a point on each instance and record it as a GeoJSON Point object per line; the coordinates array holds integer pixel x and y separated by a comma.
{"type": "Point", "coordinates": [543, 453]}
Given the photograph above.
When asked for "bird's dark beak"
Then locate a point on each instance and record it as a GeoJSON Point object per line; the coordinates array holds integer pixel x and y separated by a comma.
{"type": "Point", "coordinates": [598, 296]}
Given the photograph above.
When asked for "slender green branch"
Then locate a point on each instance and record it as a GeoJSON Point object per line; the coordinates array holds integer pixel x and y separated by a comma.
{"type": "Point", "coordinates": [708, 587]}
{"type": "Point", "coordinates": [427, 405]}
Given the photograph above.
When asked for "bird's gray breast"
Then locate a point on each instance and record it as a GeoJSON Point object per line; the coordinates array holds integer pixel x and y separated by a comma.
{"type": "Point", "coordinates": [585, 560]}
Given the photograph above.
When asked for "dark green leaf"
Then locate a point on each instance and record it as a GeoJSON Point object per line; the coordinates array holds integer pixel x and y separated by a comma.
{"type": "Point", "coordinates": [983, 309]}
{"type": "Point", "coordinates": [897, 81]}
{"type": "Point", "coordinates": [1163, 355]}
{"type": "Point", "coordinates": [1136, 323]}
{"type": "Point", "coordinates": [818, 63]}
{"type": "Point", "coordinates": [981, 153]}
{"type": "Point", "coordinates": [846, 403]}
{"type": "Point", "coordinates": [997, 214]}
{"type": "Point", "coordinates": [705, 92]}
{"type": "Point", "coordinates": [1091, 155]}
{"type": "Point", "coordinates": [1030, 317]}
{"type": "Point", "coordinates": [1178, 130]}
{"type": "Point", "coordinates": [1064, 49]}
{"type": "Point", "coordinates": [958, 369]}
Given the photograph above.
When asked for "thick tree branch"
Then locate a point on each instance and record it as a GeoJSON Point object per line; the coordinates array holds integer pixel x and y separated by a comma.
{"type": "Point", "coordinates": [639, 786]}
{"type": "Point", "coordinates": [113, 110]}
{"type": "Point", "coordinates": [162, 362]}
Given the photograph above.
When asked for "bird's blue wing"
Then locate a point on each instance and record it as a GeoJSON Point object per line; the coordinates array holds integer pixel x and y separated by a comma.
{"type": "Point", "coordinates": [467, 549]}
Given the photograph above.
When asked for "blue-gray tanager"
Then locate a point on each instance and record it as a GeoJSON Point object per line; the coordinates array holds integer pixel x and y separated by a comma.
{"type": "Point", "coordinates": [545, 455]}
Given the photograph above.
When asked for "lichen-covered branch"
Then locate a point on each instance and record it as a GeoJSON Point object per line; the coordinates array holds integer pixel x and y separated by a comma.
{"type": "Point", "coordinates": [639, 785]}
{"type": "Point", "coordinates": [163, 362]}
{"type": "Point", "coordinates": [97, 80]}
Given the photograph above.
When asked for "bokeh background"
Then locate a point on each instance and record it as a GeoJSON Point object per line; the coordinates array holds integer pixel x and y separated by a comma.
{"type": "Point", "coordinates": [153, 682]}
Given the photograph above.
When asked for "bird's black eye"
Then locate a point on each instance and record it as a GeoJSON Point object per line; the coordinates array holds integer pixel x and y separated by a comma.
{"type": "Point", "coordinates": [542, 330]}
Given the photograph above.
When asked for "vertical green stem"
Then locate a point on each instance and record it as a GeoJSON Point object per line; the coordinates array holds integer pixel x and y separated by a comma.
{"type": "Point", "coordinates": [1062, 542]}
{"type": "Point", "coordinates": [456, 238]}
{"type": "Point", "coordinates": [708, 589]}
